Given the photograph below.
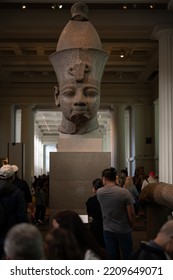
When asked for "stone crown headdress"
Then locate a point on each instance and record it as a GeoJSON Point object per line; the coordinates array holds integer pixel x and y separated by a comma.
{"type": "Point", "coordinates": [79, 49]}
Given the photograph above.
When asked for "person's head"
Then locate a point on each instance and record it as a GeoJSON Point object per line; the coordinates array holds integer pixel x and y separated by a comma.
{"type": "Point", "coordinates": [7, 173]}
{"type": "Point", "coordinates": [79, 66]}
{"type": "Point", "coordinates": [139, 171]}
{"type": "Point", "coordinates": [124, 173]}
{"type": "Point", "coordinates": [128, 181]}
{"type": "Point", "coordinates": [97, 184]}
{"type": "Point", "coordinates": [117, 180]}
{"type": "Point", "coordinates": [60, 244]}
{"type": "Point", "coordinates": [71, 221]}
{"type": "Point", "coordinates": [24, 242]}
{"type": "Point", "coordinates": [164, 237]}
{"type": "Point", "coordinates": [152, 174]}
{"type": "Point", "coordinates": [109, 175]}
{"type": "Point", "coordinates": [15, 168]}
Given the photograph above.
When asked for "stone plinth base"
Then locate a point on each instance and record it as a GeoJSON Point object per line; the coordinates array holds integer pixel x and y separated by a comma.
{"type": "Point", "coordinates": [90, 142]}
{"type": "Point", "coordinates": [71, 176]}
{"type": "Point", "coordinates": [156, 217]}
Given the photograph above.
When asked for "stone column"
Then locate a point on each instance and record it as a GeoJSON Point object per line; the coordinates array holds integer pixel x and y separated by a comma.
{"type": "Point", "coordinates": [118, 139]}
{"type": "Point", "coordinates": [142, 135]}
{"type": "Point", "coordinates": [165, 36]}
{"type": "Point", "coordinates": [113, 138]}
{"type": "Point", "coordinates": [128, 142]}
{"type": "Point", "coordinates": [156, 125]}
{"type": "Point", "coordinates": [6, 127]}
{"type": "Point", "coordinates": [157, 215]}
{"type": "Point", "coordinates": [27, 138]}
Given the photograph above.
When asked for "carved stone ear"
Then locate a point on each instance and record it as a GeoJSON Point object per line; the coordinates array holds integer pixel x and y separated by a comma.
{"type": "Point", "coordinates": [56, 96]}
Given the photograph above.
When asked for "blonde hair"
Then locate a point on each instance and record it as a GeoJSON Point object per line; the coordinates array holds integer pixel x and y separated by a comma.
{"type": "Point", "coordinates": [128, 181]}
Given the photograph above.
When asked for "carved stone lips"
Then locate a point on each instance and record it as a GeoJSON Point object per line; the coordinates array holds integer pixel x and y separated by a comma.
{"type": "Point", "coordinates": [80, 110]}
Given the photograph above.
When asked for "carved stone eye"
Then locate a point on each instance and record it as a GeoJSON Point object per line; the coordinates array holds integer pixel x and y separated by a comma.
{"type": "Point", "coordinates": [71, 71]}
{"type": "Point", "coordinates": [91, 93]}
{"type": "Point", "coordinates": [87, 68]}
{"type": "Point", "coordinates": [68, 93]}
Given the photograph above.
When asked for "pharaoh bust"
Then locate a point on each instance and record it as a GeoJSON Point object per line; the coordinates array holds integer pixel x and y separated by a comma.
{"type": "Point", "coordinates": [78, 63]}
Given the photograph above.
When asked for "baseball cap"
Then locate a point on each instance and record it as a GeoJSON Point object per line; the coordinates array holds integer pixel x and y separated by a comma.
{"type": "Point", "coordinates": [6, 171]}
{"type": "Point", "coordinates": [15, 167]}
{"type": "Point", "coordinates": [152, 174]}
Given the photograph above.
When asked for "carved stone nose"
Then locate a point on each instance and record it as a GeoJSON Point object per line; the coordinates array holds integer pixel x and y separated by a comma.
{"type": "Point", "coordinates": [81, 104]}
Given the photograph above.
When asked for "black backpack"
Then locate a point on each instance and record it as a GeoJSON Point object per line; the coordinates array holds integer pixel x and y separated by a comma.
{"type": "Point", "coordinates": [5, 191]}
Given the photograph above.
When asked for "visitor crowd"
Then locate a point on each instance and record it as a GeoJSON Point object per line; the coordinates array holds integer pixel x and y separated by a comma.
{"type": "Point", "coordinates": [112, 211]}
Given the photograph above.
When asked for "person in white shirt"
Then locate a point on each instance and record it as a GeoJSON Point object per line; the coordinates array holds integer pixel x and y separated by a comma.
{"type": "Point", "coordinates": [151, 179]}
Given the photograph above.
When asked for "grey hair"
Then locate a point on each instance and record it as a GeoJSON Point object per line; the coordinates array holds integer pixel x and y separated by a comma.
{"type": "Point", "coordinates": [167, 228]}
{"type": "Point", "coordinates": [24, 242]}
{"type": "Point", "coordinates": [166, 231]}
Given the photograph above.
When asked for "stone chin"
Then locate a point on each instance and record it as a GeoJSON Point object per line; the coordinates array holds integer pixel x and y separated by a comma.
{"type": "Point", "coordinates": [78, 118]}
{"type": "Point", "coordinates": [79, 125]}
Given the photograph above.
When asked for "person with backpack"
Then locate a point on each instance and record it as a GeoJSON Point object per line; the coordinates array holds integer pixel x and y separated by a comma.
{"type": "Point", "coordinates": [12, 204]}
{"type": "Point", "coordinates": [24, 187]}
{"type": "Point", "coordinates": [151, 179]}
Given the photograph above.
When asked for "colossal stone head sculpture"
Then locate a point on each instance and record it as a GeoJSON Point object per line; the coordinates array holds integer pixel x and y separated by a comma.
{"type": "Point", "coordinates": [79, 63]}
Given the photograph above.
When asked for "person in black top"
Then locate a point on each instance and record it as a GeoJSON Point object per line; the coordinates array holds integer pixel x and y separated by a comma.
{"type": "Point", "coordinates": [123, 176]}
{"type": "Point", "coordinates": [14, 203]}
{"type": "Point", "coordinates": [94, 213]}
{"type": "Point", "coordinates": [24, 187]}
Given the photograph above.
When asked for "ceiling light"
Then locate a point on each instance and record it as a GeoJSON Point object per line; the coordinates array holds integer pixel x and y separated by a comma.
{"type": "Point", "coordinates": [23, 7]}
{"type": "Point", "coordinates": [122, 54]}
{"type": "Point", "coordinates": [120, 75]}
{"type": "Point", "coordinates": [151, 6]}
{"type": "Point", "coordinates": [56, 6]}
{"type": "Point", "coordinates": [124, 6]}
{"type": "Point", "coordinates": [53, 6]}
